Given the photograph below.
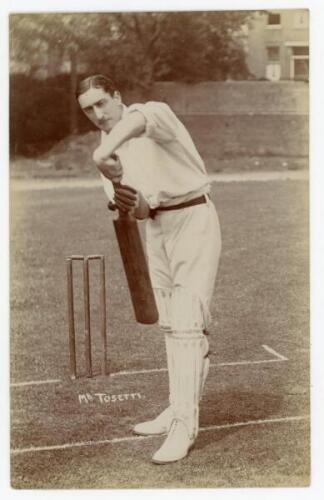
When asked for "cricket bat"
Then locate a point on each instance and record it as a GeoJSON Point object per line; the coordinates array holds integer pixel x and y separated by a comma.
{"type": "Point", "coordinates": [136, 269]}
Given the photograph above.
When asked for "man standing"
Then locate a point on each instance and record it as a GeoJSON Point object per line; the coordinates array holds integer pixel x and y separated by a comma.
{"type": "Point", "coordinates": [164, 181]}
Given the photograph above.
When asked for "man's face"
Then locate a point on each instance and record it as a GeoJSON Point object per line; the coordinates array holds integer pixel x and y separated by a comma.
{"type": "Point", "coordinates": [101, 108]}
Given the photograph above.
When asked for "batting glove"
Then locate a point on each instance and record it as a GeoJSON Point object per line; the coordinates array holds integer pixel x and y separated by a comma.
{"type": "Point", "coordinates": [126, 198]}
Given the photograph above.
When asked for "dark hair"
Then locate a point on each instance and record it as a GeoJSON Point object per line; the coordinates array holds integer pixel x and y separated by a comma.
{"type": "Point", "coordinates": [97, 82]}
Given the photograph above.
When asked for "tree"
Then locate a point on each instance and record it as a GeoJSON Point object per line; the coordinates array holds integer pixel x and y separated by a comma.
{"type": "Point", "coordinates": [135, 48]}
{"type": "Point", "coordinates": [153, 46]}
{"type": "Point", "coordinates": [185, 46]}
{"type": "Point", "coordinates": [44, 39]}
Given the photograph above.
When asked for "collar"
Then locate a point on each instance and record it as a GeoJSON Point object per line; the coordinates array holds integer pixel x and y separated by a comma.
{"type": "Point", "coordinates": [125, 109]}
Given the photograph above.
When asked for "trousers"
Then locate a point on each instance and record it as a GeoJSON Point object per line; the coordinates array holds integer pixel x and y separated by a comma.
{"type": "Point", "coordinates": [183, 250]}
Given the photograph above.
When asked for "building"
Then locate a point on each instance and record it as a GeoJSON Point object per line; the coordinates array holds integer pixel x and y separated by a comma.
{"type": "Point", "coordinates": [277, 45]}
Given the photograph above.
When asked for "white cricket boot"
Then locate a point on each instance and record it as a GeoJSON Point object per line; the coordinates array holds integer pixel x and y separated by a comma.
{"type": "Point", "coordinates": [186, 353]}
{"type": "Point", "coordinates": [177, 444]}
{"type": "Point", "coordinates": [162, 423]}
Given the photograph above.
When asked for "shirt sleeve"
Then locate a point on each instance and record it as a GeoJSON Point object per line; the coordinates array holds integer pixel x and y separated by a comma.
{"type": "Point", "coordinates": [161, 122]}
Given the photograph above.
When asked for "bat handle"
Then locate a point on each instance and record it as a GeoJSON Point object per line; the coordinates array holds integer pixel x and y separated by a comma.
{"type": "Point", "coordinates": [117, 184]}
{"type": "Point", "coordinates": [122, 215]}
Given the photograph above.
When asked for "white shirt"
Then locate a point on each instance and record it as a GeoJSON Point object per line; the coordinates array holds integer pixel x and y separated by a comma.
{"type": "Point", "coordinates": [163, 163]}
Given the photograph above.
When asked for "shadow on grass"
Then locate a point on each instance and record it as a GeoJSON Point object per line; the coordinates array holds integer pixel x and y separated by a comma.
{"type": "Point", "coordinates": [223, 408]}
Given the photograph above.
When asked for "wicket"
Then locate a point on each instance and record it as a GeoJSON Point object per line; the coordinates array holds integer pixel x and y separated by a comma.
{"type": "Point", "coordinates": [87, 322]}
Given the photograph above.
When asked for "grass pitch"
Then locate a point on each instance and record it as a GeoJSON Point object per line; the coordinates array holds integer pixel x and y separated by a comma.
{"type": "Point", "coordinates": [254, 411]}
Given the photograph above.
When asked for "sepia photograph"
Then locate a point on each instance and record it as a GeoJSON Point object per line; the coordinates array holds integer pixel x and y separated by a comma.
{"type": "Point", "coordinates": [159, 249]}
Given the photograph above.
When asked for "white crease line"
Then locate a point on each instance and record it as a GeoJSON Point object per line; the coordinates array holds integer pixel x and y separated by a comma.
{"type": "Point", "coordinates": [277, 359]}
{"type": "Point", "coordinates": [275, 353]}
{"type": "Point", "coordinates": [36, 382]}
{"type": "Point", "coordinates": [238, 363]}
{"type": "Point", "coordinates": [33, 449]}
{"type": "Point", "coordinates": [138, 372]}
{"type": "Point", "coordinates": [255, 422]}
{"type": "Point", "coordinates": [212, 365]}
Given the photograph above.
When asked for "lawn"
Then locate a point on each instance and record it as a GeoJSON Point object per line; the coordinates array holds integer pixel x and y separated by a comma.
{"type": "Point", "coordinates": [255, 430]}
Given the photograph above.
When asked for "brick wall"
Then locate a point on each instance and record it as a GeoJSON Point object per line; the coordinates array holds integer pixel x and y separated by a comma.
{"type": "Point", "coordinates": [229, 119]}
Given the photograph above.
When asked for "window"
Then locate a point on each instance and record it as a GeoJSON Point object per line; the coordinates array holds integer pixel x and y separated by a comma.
{"type": "Point", "coordinates": [301, 69]}
{"type": "Point", "coordinates": [299, 65]}
{"type": "Point", "coordinates": [273, 54]}
{"type": "Point", "coordinates": [300, 51]}
{"type": "Point", "coordinates": [274, 19]}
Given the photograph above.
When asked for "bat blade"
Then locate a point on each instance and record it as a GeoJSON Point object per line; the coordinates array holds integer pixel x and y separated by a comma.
{"type": "Point", "coordinates": [136, 270]}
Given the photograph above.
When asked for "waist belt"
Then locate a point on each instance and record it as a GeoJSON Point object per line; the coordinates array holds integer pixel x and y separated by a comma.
{"type": "Point", "coordinates": [190, 203]}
